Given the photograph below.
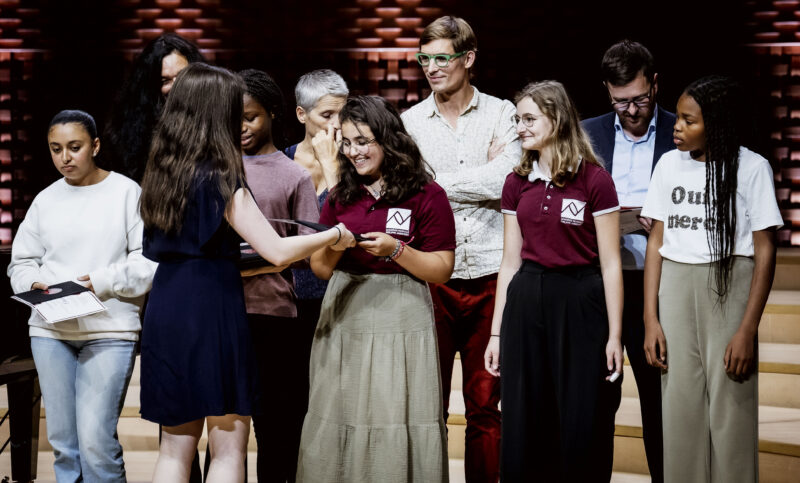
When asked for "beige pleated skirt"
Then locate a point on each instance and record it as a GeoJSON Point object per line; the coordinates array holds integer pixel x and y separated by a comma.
{"type": "Point", "coordinates": [375, 410]}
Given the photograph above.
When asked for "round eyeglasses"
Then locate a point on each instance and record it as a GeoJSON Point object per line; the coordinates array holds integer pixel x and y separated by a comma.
{"type": "Point", "coordinates": [527, 120]}
{"type": "Point", "coordinates": [441, 60]}
{"type": "Point", "coordinates": [361, 145]}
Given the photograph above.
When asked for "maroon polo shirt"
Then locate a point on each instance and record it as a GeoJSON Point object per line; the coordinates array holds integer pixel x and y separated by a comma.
{"type": "Point", "coordinates": [426, 216]}
{"type": "Point", "coordinates": [557, 224]}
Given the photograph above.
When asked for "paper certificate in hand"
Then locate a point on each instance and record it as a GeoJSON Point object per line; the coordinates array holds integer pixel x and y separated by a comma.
{"type": "Point", "coordinates": [629, 220]}
{"type": "Point", "coordinates": [62, 301]}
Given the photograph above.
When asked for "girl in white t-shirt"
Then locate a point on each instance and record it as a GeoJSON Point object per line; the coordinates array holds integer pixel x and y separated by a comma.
{"type": "Point", "coordinates": [708, 271]}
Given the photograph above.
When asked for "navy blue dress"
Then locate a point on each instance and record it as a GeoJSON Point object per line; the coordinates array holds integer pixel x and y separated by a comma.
{"type": "Point", "coordinates": [197, 359]}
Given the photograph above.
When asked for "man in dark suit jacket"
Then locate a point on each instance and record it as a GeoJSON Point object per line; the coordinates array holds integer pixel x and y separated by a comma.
{"type": "Point", "coordinates": [630, 140]}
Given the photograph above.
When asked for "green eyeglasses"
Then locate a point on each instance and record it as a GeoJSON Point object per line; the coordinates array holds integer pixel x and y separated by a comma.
{"type": "Point", "coordinates": [441, 60]}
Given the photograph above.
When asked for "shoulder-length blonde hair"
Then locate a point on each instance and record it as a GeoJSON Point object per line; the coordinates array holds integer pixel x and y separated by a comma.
{"type": "Point", "coordinates": [201, 123]}
{"type": "Point", "coordinates": [569, 142]}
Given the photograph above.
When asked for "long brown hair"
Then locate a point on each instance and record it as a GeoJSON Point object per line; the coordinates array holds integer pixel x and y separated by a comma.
{"type": "Point", "coordinates": [201, 123]}
{"type": "Point", "coordinates": [404, 171]}
{"type": "Point", "coordinates": [570, 144]}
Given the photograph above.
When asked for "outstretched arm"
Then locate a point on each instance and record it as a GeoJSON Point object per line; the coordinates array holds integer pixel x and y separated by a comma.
{"type": "Point", "coordinates": [245, 217]}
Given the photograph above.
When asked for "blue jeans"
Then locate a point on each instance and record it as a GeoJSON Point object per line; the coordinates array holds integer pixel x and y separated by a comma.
{"type": "Point", "coordinates": [83, 385]}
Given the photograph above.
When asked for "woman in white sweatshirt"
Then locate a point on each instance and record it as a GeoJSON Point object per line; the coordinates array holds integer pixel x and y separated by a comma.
{"type": "Point", "coordinates": [84, 227]}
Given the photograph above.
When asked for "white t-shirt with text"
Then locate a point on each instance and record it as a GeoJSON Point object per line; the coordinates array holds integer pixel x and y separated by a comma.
{"type": "Point", "coordinates": [676, 197]}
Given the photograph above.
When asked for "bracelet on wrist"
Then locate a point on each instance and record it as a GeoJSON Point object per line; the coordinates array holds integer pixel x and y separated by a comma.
{"type": "Point", "coordinates": [338, 238]}
{"type": "Point", "coordinates": [398, 250]}
{"type": "Point", "coordinates": [392, 256]}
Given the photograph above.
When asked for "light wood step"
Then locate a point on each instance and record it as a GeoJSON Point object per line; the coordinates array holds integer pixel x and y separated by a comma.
{"type": "Point", "coordinates": [779, 428]}
{"type": "Point", "coordinates": [778, 377]}
{"type": "Point", "coordinates": [779, 442]}
{"type": "Point", "coordinates": [139, 465]}
{"type": "Point", "coordinates": [134, 433]}
{"type": "Point", "coordinates": [629, 478]}
{"type": "Point", "coordinates": [779, 436]}
{"type": "Point", "coordinates": [780, 322]}
{"type": "Point", "coordinates": [787, 269]}
{"type": "Point", "coordinates": [779, 382]}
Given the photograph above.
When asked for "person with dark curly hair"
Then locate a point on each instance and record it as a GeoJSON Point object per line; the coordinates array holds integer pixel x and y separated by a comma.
{"type": "Point", "coordinates": [375, 411]}
{"type": "Point", "coordinates": [708, 271]}
{"type": "Point", "coordinates": [140, 101]}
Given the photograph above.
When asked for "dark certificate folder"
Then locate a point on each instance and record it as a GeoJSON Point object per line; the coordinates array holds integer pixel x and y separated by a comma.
{"type": "Point", "coordinates": [250, 259]}
{"type": "Point", "coordinates": [62, 301]}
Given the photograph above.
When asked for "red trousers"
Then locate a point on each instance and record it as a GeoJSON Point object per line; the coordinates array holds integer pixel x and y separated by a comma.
{"type": "Point", "coordinates": [463, 310]}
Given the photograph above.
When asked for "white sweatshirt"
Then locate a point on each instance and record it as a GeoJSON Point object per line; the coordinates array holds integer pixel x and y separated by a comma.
{"type": "Point", "coordinates": [71, 231]}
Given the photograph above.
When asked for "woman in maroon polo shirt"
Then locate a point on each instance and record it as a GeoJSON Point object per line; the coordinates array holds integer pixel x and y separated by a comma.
{"type": "Point", "coordinates": [375, 411]}
{"type": "Point", "coordinates": [558, 311]}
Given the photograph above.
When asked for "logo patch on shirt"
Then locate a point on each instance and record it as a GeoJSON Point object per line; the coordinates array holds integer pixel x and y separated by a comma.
{"type": "Point", "coordinates": [572, 211]}
{"type": "Point", "coordinates": [398, 221]}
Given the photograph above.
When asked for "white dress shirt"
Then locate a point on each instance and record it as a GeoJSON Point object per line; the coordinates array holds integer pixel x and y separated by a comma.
{"type": "Point", "coordinates": [631, 170]}
{"type": "Point", "coordinates": [459, 157]}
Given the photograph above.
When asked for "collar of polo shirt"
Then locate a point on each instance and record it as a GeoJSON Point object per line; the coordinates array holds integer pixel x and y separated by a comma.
{"type": "Point", "coordinates": [537, 173]}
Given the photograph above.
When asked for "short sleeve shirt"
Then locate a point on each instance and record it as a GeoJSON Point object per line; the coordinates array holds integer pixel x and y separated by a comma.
{"type": "Point", "coordinates": [677, 198]}
{"type": "Point", "coordinates": [557, 223]}
{"type": "Point", "coordinates": [426, 216]}
{"type": "Point", "coordinates": [282, 189]}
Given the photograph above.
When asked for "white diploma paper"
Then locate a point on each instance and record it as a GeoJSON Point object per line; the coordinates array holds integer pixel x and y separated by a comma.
{"type": "Point", "coordinates": [62, 301]}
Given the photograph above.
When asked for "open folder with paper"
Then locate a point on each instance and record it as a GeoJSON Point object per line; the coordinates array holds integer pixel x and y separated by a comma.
{"type": "Point", "coordinates": [62, 301]}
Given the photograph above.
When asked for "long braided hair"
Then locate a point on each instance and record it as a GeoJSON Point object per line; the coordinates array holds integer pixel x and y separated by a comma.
{"type": "Point", "coordinates": [719, 100]}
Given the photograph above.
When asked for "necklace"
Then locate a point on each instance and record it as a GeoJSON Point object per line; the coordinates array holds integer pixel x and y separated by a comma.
{"type": "Point", "coordinates": [375, 191]}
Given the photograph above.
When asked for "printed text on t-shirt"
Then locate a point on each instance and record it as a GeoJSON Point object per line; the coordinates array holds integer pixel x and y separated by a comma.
{"type": "Point", "coordinates": [681, 196]}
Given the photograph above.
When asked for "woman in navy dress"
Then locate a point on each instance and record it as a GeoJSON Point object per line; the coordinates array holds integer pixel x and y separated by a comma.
{"type": "Point", "coordinates": [197, 361]}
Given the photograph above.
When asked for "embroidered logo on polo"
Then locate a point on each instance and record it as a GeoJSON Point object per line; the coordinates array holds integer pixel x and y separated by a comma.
{"type": "Point", "coordinates": [572, 211]}
{"type": "Point", "coordinates": [398, 221]}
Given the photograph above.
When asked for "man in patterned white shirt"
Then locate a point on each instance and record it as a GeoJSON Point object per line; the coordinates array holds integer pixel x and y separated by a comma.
{"type": "Point", "coordinates": [470, 140]}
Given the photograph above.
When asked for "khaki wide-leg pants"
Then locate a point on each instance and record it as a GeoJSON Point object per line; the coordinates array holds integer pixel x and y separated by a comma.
{"type": "Point", "coordinates": [710, 421]}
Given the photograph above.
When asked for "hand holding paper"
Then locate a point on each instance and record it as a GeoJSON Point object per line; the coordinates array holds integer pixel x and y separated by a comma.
{"type": "Point", "coordinates": [629, 220]}
{"type": "Point", "coordinates": [62, 301]}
